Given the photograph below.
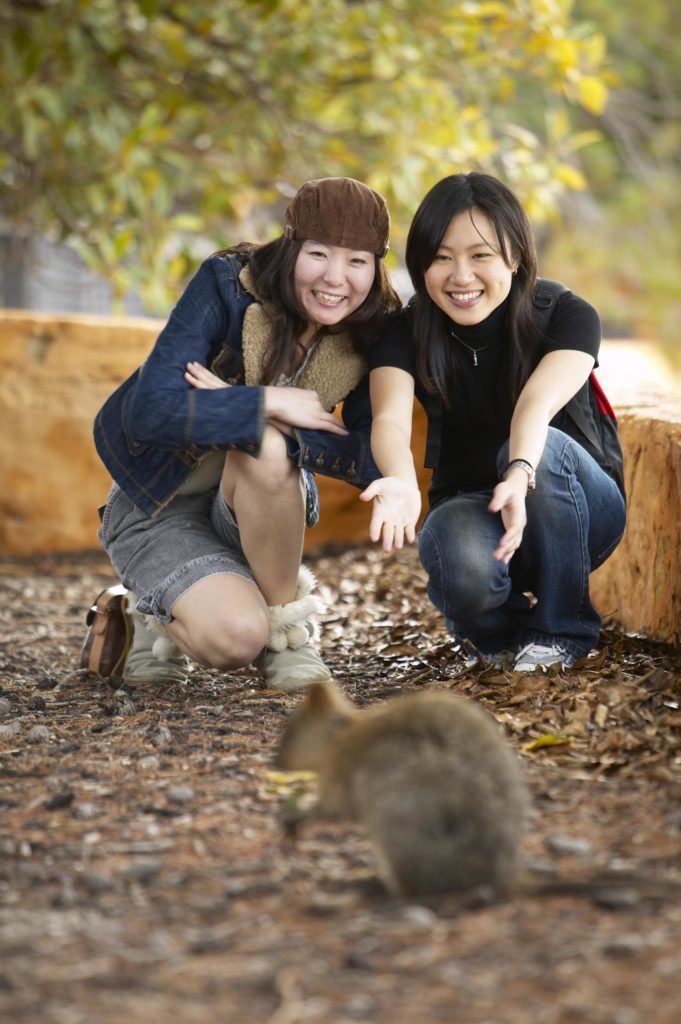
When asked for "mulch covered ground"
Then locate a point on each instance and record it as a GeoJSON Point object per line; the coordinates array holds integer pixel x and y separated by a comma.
{"type": "Point", "coordinates": [144, 876]}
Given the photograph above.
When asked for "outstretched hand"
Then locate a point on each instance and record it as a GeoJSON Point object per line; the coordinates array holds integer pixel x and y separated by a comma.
{"type": "Point", "coordinates": [397, 507]}
{"type": "Point", "coordinates": [508, 498]}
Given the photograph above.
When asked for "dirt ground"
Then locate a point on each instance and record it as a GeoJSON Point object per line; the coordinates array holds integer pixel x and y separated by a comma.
{"type": "Point", "coordinates": [144, 876]}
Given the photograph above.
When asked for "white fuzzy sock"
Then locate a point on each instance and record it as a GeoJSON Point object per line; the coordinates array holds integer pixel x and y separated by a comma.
{"type": "Point", "coordinates": [292, 625]}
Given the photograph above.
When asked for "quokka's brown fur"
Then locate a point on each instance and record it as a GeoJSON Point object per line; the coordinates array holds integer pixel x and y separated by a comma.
{"type": "Point", "coordinates": [429, 776]}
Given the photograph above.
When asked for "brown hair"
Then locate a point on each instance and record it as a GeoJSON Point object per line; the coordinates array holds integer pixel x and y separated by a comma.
{"type": "Point", "coordinates": [272, 266]}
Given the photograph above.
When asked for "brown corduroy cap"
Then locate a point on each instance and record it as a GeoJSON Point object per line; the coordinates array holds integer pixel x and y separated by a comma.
{"type": "Point", "coordinates": [339, 211]}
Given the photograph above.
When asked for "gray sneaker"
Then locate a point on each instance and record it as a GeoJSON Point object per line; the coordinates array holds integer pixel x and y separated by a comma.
{"type": "Point", "coordinates": [289, 661]}
{"type": "Point", "coordinates": [291, 669]}
{"type": "Point", "coordinates": [534, 656]}
{"type": "Point", "coordinates": [495, 659]}
{"type": "Point", "coordinates": [499, 659]}
{"type": "Point", "coordinates": [153, 659]}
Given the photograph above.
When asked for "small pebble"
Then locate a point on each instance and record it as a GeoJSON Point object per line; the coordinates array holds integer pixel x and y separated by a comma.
{"type": "Point", "coordinates": [85, 811]}
{"type": "Point", "coordinates": [179, 794]}
{"type": "Point", "coordinates": [616, 899]}
{"type": "Point", "coordinates": [420, 917]}
{"type": "Point", "coordinates": [5, 706]}
{"type": "Point", "coordinates": [68, 748]}
{"type": "Point", "coordinates": [143, 870]}
{"type": "Point", "coordinates": [569, 846]}
{"type": "Point", "coordinates": [59, 801]}
{"type": "Point", "coordinates": [38, 734]}
{"type": "Point", "coordinates": [47, 683]}
{"type": "Point", "coordinates": [162, 736]}
{"type": "Point", "coordinates": [9, 730]}
{"type": "Point", "coordinates": [623, 945]}
{"type": "Point", "coordinates": [36, 704]}
{"type": "Point", "coordinates": [149, 763]}
{"type": "Point", "coordinates": [96, 882]}
{"type": "Point", "coordinates": [358, 961]}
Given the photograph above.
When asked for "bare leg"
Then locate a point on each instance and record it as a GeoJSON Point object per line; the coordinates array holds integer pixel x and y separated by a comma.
{"type": "Point", "coordinates": [268, 498]}
{"type": "Point", "coordinates": [224, 621]}
{"type": "Point", "coordinates": [221, 622]}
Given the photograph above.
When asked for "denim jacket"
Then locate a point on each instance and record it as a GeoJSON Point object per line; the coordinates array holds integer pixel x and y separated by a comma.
{"type": "Point", "coordinates": [155, 428]}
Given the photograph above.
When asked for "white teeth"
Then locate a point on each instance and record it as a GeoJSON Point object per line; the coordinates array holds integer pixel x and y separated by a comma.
{"type": "Point", "coordinates": [465, 296]}
{"type": "Point", "coordinates": [325, 297]}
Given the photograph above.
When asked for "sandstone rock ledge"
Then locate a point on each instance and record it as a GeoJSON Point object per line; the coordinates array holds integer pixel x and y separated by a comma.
{"type": "Point", "coordinates": [55, 372]}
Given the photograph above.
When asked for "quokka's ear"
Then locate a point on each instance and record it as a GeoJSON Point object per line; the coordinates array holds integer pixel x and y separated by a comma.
{"type": "Point", "coordinates": [319, 698]}
{"type": "Point", "coordinates": [326, 698]}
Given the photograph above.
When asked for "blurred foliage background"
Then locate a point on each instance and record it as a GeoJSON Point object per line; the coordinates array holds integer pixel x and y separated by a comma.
{"type": "Point", "coordinates": [147, 133]}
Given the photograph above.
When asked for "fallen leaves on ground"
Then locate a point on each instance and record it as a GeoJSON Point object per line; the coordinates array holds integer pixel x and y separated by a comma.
{"type": "Point", "coordinates": [144, 874]}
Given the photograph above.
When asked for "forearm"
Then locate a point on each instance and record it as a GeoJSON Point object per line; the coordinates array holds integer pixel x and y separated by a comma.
{"type": "Point", "coordinates": [556, 379]}
{"type": "Point", "coordinates": [390, 447]}
{"type": "Point", "coordinates": [529, 427]}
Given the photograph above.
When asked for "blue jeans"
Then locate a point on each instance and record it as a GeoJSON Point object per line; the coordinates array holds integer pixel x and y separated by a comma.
{"type": "Point", "coordinates": [575, 519]}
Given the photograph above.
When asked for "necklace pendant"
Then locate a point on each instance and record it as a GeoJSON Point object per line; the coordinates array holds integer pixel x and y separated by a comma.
{"type": "Point", "coordinates": [475, 358]}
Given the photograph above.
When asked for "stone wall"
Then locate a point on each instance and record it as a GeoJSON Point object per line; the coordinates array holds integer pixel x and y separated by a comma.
{"type": "Point", "coordinates": [55, 372]}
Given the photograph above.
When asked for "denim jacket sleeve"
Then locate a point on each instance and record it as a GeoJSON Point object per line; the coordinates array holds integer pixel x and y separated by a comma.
{"type": "Point", "coordinates": [161, 408]}
{"type": "Point", "coordinates": [346, 458]}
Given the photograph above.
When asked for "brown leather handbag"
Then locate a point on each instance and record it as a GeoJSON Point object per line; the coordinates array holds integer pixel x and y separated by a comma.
{"type": "Point", "coordinates": [109, 633]}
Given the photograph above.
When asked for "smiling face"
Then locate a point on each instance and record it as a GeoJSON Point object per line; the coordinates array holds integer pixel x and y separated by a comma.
{"type": "Point", "coordinates": [469, 277]}
{"type": "Point", "coordinates": [331, 282]}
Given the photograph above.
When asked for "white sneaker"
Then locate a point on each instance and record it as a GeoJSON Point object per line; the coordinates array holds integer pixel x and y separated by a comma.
{"type": "Point", "coordinates": [534, 656]}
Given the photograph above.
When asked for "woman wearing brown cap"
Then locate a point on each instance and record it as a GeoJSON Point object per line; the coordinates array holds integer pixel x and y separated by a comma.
{"type": "Point", "coordinates": [211, 443]}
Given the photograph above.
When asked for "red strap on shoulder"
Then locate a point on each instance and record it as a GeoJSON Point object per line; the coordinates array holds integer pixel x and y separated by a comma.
{"type": "Point", "coordinates": [604, 406]}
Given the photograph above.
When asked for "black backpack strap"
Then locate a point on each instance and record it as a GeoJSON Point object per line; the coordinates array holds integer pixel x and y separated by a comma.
{"type": "Point", "coordinates": [546, 295]}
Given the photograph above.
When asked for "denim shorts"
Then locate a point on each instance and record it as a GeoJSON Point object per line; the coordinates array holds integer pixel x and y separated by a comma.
{"type": "Point", "coordinates": [160, 558]}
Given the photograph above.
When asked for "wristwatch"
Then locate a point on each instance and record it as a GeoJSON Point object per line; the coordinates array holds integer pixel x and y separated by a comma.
{"type": "Point", "coordinates": [527, 467]}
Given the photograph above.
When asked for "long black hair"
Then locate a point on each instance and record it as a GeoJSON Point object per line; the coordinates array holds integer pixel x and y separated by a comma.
{"type": "Point", "coordinates": [272, 266]}
{"type": "Point", "coordinates": [436, 357]}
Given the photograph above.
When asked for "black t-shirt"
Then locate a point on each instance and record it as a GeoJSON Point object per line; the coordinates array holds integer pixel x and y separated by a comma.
{"type": "Point", "coordinates": [477, 422]}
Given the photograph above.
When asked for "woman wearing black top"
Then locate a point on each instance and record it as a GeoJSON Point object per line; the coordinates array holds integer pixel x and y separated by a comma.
{"type": "Point", "coordinates": [520, 511]}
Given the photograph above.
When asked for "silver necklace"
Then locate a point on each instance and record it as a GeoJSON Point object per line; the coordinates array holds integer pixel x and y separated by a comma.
{"type": "Point", "coordinates": [470, 347]}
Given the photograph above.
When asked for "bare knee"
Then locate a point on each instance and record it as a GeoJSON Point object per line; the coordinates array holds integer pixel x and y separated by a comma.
{"type": "Point", "coordinates": [229, 642]}
{"type": "Point", "coordinates": [221, 622]}
{"type": "Point", "coordinates": [272, 469]}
